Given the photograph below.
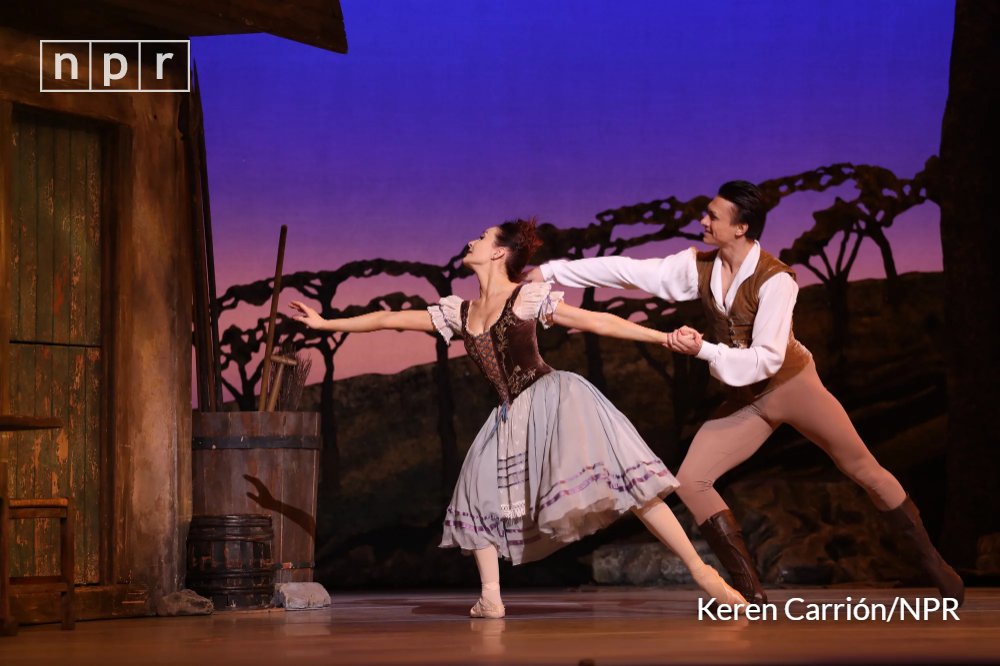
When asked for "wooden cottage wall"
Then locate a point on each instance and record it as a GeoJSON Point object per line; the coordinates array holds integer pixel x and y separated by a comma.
{"type": "Point", "coordinates": [146, 478]}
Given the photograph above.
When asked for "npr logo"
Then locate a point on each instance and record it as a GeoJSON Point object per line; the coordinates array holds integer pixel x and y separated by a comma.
{"type": "Point", "coordinates": [147, 65]}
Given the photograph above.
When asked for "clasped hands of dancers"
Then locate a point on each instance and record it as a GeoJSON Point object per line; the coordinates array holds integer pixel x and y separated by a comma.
{"type": "Point", "coordinates": [555, 461]}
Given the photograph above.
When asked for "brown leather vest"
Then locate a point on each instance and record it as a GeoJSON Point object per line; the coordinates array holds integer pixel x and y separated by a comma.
{"type": "Point", "coordinates": [736, 328]}
{"type": "Point", "coordinates": [508, 352]}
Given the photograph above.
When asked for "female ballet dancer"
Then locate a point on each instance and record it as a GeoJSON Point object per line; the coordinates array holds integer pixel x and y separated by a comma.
{"type": "Point", "coordinates": [555, 461]}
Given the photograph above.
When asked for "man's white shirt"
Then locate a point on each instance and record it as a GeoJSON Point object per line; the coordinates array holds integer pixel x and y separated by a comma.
{"type": "Point", "coordinates": [675, 278]}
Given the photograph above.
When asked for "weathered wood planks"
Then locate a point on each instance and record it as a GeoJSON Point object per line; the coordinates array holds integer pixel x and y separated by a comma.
{"type": "Point", "coordinates": [55, 333]}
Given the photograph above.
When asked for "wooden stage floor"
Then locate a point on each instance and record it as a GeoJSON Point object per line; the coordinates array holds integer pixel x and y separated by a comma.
{"type": "Point", "coordinates": [599, 626]}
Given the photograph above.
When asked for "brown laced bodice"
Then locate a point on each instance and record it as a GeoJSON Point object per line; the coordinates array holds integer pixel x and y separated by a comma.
{"type": "Point", "coordinates": [507, 352]}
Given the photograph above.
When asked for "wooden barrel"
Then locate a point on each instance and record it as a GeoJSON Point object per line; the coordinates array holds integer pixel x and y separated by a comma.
{"type": "Point", "coordinates": [229, 560]}
{"type": "Point", "coordinates": [265, 463]}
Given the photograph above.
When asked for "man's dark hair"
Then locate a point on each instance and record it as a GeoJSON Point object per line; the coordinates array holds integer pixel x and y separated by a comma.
{"type": "Point", "coordinates": [749, 203]}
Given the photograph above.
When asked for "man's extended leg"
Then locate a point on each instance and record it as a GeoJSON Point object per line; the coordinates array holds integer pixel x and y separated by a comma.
{"type": "Point", "coordinates": [721, 444]}
{"type": "Point", "coordinates": [810, 408]}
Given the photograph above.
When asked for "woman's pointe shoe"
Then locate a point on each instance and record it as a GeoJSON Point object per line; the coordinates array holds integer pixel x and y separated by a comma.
{"type": "Point", "coordinates": [709, 580]}
{"type": "Point", "coordinates": [487, 609]}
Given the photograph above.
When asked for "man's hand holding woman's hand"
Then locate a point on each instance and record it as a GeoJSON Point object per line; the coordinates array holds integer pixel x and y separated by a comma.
{"type": "Point", "coordinates": [684, 340]}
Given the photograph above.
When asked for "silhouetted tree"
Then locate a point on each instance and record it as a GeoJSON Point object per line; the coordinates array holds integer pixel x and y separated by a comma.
{"type": "Point", "coordinates": [881, 198]}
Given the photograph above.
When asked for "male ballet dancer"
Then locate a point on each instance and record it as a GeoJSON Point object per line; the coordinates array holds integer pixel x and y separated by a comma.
{"type": "Point", "coordinates": [770, 377]}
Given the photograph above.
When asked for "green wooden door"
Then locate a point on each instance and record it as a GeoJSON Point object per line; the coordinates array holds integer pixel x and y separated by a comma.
{"type": "Point", "coordinates": [56, 333]}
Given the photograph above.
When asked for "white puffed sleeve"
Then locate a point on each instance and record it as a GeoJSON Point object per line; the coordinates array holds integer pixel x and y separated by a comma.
{"type": "Point", "coordinates": [538, 301]}
{"type": "Point", "coordinates": [446, 315]}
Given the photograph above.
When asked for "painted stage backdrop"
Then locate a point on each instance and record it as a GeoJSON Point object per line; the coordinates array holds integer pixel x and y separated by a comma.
{"type": "Point", "coordinates": [613, 123]}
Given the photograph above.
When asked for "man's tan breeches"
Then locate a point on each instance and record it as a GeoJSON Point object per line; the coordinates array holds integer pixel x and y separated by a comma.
{"type": "Point", "coordinates": [802, 402]}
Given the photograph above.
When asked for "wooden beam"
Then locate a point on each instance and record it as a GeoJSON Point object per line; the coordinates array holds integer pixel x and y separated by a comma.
{"type": "Point", "coordinates": [19, 73]}
{"type": "Point", "coordinates": [6, 219]}
{"type": "Point", "coordinates": [314, 22]}
{"type": "Point", "coordinates": [64, 19]}
{"type": "Point", "coordinates": [318, 23]}
{"type": "Point", "coordinates": [205, 329]}
{"type": "Point", "coordinates": [31, 606]}
{"type": "Point", "coordinates": [116, 487]}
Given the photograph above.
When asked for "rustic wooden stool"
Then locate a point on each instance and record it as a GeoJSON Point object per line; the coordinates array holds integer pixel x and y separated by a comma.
{"type": "Point", "coordinates": [31, 509]}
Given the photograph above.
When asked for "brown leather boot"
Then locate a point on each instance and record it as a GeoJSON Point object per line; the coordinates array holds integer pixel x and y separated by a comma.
{"type": "Point", "coordinates": [723, 534]}
{"type": "Point", "coordinates": [906, 520]}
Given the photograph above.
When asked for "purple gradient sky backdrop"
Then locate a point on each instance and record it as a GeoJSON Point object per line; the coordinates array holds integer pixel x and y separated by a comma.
{"type": "Point", "coordinates": [449, 116]}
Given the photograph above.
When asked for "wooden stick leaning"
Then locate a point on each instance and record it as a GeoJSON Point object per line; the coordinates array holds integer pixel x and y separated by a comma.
{"type": "Point", "coordinates": [216, 366]}
{"type": "Point", "coordinates": [262, 402]}
{"type": "Point", "coordinates": [205, 336]}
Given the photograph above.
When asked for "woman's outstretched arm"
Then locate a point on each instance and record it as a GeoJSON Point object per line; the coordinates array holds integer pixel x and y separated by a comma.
{"type": "Point", "coordinates": [407, 320]}
{"type": "Point", "coordinates": [609, 325]}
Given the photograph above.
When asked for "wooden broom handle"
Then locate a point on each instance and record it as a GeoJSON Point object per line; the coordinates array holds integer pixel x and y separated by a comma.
{"type": "Point", "coordinates": [262, 402]}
